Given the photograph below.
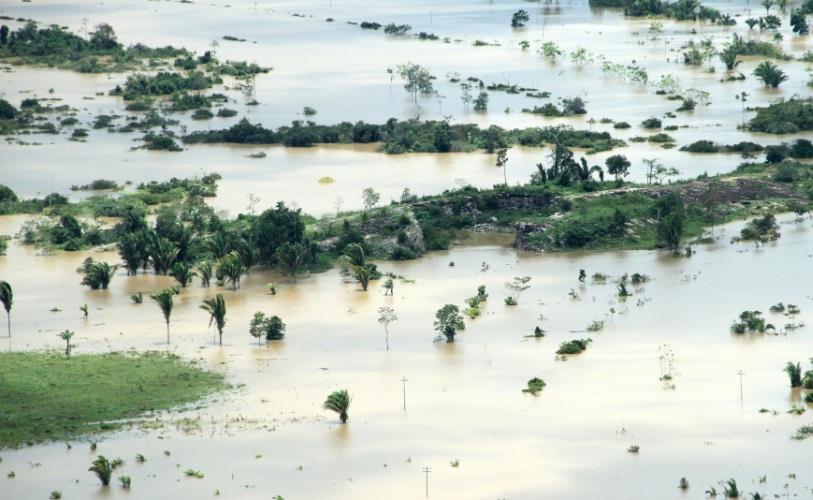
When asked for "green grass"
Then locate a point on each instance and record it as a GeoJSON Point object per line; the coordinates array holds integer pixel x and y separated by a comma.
{"type": "Point", "coordinates": [45, 397]}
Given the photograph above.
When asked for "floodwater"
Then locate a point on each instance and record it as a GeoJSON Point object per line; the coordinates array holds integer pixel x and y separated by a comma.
{"type": "Point", "coordinates": [341, 71]}
{"type": "Point", "coordinates": [464, 403]}
{"type": "Point", "coordinates": [464, 400]}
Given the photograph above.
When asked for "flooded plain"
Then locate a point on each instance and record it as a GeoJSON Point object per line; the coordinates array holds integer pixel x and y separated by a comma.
{"type": "Point", "coordinates": [461, 411]}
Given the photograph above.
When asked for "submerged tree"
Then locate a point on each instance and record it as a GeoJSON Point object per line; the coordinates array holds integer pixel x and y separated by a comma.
{"type": "Point", "coordinates": [205, 270]}
{"type": "Point", "coordinates": [97, 274]}
{"type": "Point", "coordinates": [165, 300]}
{"type": "Point", "coordinates": [291, 257]}
{"type": "Point", "coordinates": [516, 287]}
{"type": "Point", "coordinates": [794, 374]}
{"type": "Point", "coordinates": [182, 273]}
{"type": "Point", "coordinates": [502, 162]}
{"type": "Point", "coordinates": [271, 327]}
{"type": "Point", "coordinates": [216, 308]}
{"type": "Point", "coordinates": [66, 336]}
{"type": "Point", "coordinates": [417, 80]}
{"type": "Point", "coordinates": [448, 321]}
{"type": "Point", "coordinates": [354, 264]}
{"type": "Point", "coordinates": [103, 469]}
{"type": "Point", "coordinates": [519, 18]}
{"type": "Point", "coordinates": [7, 298]}
{"type": "Point", "coordinates": [770, 74]}
{"type": "Point", "coordinates": [339, 402]}
{"type": "Point", "coordinates": [386, 315]}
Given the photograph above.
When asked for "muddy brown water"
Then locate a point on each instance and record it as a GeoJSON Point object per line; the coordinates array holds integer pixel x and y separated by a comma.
{"type": "Point", "coordinates": [464, 401]}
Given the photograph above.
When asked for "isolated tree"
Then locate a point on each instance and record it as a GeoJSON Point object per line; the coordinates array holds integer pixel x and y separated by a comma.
{"type": "Point", "coordinates": [518, 285]}
{"type": "Point", "coordinates": [770, 74]}
{"type": "Point", "coordinates": [354, 263]}
{"type": "Point", "coordinates": [271, 327]}
{"type": "Point", "coordinates": [103, 469]}
{"type": "Point", "coordinates": [519, 18]}
{"type": "Point", "coordinates": [417, 80]}
{"type": "Point", "coordinates": [670, 230]}
{"type": "Point", "coordinates": [481, 102]}
{"type": "Point", "coordinates": [165, 300]}
{"type": "Point", "coordinates": [798, 22]}
{"type": "Point", "coordinates": [388, 286]}
{"type": "Point", "coordinates": [291, 257]}
{"type": "Point", "coordinates": [502, 161]}
{"type": "Point", "coordinates": [7, 298]}
{"type": "Point", "coordinates": [339, 402]}
{"type": "Point", "coordinates": [97, 274]}
{"type": "Point", "coordinates": [370, 198]}
{"type": "Point", "coordinates": [448, 321]}
{"type": "Point", "coordinates": [84, 309]}
{"type": "Point", "coordinates": [618, 166]}
{"type": "Point", "coordinates": [386, 315]}
{"type": "Point", "coordinates": [767, 4]}
{"type": "Point", "coordinates": [66, 336]}
{"type": "Point", "coordinates": [216, 308]}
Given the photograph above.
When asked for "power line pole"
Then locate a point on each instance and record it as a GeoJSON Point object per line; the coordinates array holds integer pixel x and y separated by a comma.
{"type": "Point", "coordinates": [427, 470]}
{"type": "Point", "coordinates": [404, 381]}
{"type": "Point", "coordinates": [740, 373]}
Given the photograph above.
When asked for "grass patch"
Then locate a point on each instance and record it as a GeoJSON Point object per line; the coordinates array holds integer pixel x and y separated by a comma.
{"type": "Point", "coordinates": [45, 397]}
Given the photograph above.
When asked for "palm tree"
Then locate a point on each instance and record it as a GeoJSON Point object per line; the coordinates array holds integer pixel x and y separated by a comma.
{"type": "Point", "coordinates": [770, 74]}
{"type": "Point", "coordinates": [97, 274]}
{"type": "Point", "coordinates": [183, 273]}
{"type": "Point", "coordinates": [7, 297]}
{"type": "Point", "coordinates": [767, 4]}
{"type": "Point", "coordinates": [205, 271]}
{"type": "Point", "coordinates": [230, 268]}
{"type": "Point", "coordinates": [103, 469]}
{"type": "Point", "coordinates": [216, 308]}
{"type": "Point", "coordinates": [164, 299]}
{"type": "Point", "coordinates": [162, 252]}
{"type": "Point", "coordinates": [66, 336]}
{"type": "Point", "coordinates": [339, 402]}
{"type": "Point", "coordinates": [794, 373]}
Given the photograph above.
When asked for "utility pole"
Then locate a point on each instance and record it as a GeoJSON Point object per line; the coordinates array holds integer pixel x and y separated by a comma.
{"type": "Point", "coordinates": [740, 373]}
{"type": "Point", "coordinates": [427, 470]}
{"type": "Point", "coordinates": [404, 381]}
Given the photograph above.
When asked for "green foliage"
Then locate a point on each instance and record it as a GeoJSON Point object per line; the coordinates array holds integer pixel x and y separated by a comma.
{"type": "Point", "coordinates": [97, 275]}
{"type": "Point", "coordinates": [411, 136]}
{"type": "Point", "coordinates": [339, 402]}
{"type": "Point", "coordinates": [770, 74]}
{"type": "Point", "coordinates": [448, 321]}
{"type": "Point", "coordinates": [535, 385]}
{"type": "Point", "coordinates": [139, 86]}
{"type": "Point", "coordinates": [103, 469]}
{"type": "Point", "coordinates": [762, 229]}
{"type": "Point", "coordinates": [784, 117]}
{"type": "Point", "coordinates": [53, 46]}
{"type": "Point", "coordinates": [794, 374]}
{"type": "Point", "coordinates": [88, 392]}
{"type": "Point", "coordinates": [270, 327]}
{"type": "Point", "coordinates": [749, 321]}
{"type": "Point", "coordinates": [573, 346]}
{"type": "Point", "coordinates": [216, 308]}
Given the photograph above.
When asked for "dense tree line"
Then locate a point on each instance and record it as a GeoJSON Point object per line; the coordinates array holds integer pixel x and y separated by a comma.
{"type": "Point", "coordinates": [411, 136]}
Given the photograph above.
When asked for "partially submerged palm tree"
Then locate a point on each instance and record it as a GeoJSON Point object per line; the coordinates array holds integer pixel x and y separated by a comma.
{"type": "Point", "coordinates": [66, 336]}
{"type": "Point", "coordinates": [794, 374]}
{"type": "Point", "coordinates": [84, 309]}
{"type": "Point", "coordinates": [205, 271]}
{"type": "Point", "coordinates": [216, 308]}
{"type": "Point", "coordinates": [103, 469]}
{"type": "Point", "coordinates": [339, 402]}
{"type": "Point", "coordinates": [182, 273]}
{"type": "Point", "coordinates": [164, 299]}
{"type": "Point", "coordinates": [7, 297]}
{"type": "Point", "coordinates": [770, 74]}
{"type": "Point", "coordinates": [97, 274]}
{"type": "Point", "coordinates": [230, 268]}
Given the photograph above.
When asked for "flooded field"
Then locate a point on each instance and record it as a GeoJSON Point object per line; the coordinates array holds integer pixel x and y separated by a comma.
{"type": "Point", "coordinates": [608, 424]}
